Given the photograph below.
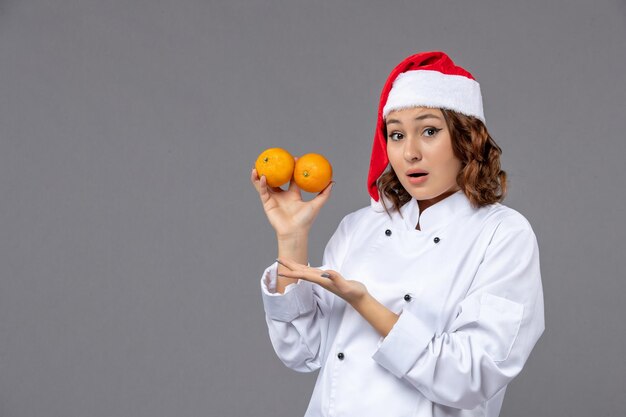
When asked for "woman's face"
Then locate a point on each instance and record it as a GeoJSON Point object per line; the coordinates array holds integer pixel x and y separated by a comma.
{"type": "Point", "coordinates": [419, 139]}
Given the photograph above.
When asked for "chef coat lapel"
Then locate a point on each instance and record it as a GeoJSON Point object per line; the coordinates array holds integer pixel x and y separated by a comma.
{"type": "Point", "coordinates": [443, 212]}
{"type": "Point", "coordinates": [433, 218]}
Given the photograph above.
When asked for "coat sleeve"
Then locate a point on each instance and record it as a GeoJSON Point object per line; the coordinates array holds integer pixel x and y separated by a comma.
{"type": "Point", "coordinates": [298, 320]}
{"type": "Point", "coordinates": [496, 327]}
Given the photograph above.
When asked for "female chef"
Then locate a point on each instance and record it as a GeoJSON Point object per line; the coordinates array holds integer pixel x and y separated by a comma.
{"type": "Point", "coordinates": [429, 300]}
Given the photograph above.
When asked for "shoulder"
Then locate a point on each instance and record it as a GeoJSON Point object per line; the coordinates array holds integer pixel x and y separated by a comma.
{"type": "Point", "coordinates": [354, 219]}
{"type": "Point", "coordinates": [363, 213]}
{"type": "Point", "coordinates": [369, 213]}
{"type": "Point", "coordinates": [356, 223]}
{"type": "Point", "coordinates": [503, 224]}
{"type": "Point", "coordinates": [506, 217]}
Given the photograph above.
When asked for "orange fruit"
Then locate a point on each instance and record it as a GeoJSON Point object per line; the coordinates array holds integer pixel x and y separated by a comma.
{"type": "Point", "coordinates": [313, 172]}
{"type": "Point", "coordinates": [276, 164]}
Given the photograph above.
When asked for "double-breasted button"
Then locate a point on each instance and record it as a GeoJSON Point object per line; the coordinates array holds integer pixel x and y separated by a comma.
{"type": "Point", "coordinates": [436, 240]}
{"type": "Point", "coordinates": [340, 355]}
{"type": "Point", "coordinates": [388, 232]}
{"type": "Point", "coordinates": [407, 297]}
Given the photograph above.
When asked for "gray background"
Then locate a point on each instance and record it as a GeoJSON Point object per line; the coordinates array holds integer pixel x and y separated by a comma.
{"type": "Point", "coordinates": [132, 242]}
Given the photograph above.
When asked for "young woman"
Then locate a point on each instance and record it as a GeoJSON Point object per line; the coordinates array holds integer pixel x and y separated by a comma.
{"type": "Point", "coordinates": [429, 300]}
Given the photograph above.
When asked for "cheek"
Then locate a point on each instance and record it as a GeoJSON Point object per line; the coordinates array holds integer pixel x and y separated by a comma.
{"type": "Point", "coordinates": [392, 155]}
{"type": "Point", "coordinates": [448, 161]}
{"type": "Point", "coordinates": [455, 168]}
{"type": "Point", "coordinates": [452, 164]}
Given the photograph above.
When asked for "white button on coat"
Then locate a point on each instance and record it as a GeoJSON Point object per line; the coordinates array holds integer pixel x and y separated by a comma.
{"type": "Point", "coordinates": [474, 313]}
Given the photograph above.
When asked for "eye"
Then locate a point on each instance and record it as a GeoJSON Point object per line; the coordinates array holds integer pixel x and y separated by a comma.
{"type": "Point", "coordinates": [391, 136]}
{"type": "Point", "coordinates": [431, 129]}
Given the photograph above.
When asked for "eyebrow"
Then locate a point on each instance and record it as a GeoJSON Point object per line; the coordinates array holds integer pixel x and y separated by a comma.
{"type": "Point", "coordinates": [422, 117]}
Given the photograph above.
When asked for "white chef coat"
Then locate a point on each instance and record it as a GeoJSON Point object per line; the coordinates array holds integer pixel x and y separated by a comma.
{"type": "Point", "coordinates": [467, 287]}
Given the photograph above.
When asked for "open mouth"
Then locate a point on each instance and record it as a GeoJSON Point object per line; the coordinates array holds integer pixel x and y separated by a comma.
{"type": "Point", "coordinates": [416, 178]}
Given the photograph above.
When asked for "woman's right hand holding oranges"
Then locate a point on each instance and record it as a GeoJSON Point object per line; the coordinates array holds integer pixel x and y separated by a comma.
{"type": "Point", "coordinates": [286, 211]}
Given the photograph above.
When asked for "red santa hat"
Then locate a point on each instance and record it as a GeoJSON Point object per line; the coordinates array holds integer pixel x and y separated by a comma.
{"type": "Point", "coordinates": [428, 79]}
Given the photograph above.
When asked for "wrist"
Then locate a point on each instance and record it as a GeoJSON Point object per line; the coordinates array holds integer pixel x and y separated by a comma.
{"type": "Point", "coordinates": [293, 247]}
{"type": "Point", "coordinates": [296, 236]}
{"type": "Point", "coordinates": [361, 301]}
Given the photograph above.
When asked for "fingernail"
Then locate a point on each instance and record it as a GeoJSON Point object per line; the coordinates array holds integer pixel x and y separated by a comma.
{"type": "Point", "coordinates": [326, 275]}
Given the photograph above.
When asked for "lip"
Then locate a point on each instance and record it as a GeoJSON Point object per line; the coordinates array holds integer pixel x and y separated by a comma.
{"type": "Point", "coordinates": [416, 171]}
{"type": "Point", "coordinates": [417, 180]}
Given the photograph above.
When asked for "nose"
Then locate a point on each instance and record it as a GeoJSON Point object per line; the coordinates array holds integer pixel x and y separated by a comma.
{"type": "Point", "coordinates": [411, 149]}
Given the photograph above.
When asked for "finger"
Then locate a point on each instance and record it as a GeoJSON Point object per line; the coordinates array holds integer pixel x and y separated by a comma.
{"type": "Point", "coordinates": [307, 276]}
{"type": "Point", "coordinates": [269, 188]}
{"type": "Point", "coordinates": [293, 187]}
{"type": "Point", "coordinates": [254, 178]}
{"type": "Point", "coordinates": [320, 199]}
{"type": "Point", "coordinates": [263, 191]}
{"type": "Point", "coordinates": [297, 269]}
{"type": "Point", "coordinates": [330, 274]}
{"type": "Point", "coordinates": [282, 263]}
{"type": "Point", "coordinates": [293, 265]}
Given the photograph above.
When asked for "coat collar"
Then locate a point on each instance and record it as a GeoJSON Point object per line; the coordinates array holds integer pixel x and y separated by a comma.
{"type": "Point", "coordinates": [434, 217]}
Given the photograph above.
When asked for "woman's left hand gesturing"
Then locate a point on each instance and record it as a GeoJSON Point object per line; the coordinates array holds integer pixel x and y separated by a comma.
{"type": "Point", "coordinates": [351, 291]}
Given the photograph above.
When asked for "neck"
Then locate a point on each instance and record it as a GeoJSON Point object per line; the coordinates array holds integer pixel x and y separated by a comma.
{"type": "Point", "coordinates": [424, 204]}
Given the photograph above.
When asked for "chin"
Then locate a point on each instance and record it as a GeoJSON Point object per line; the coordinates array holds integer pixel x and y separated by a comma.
{"type": "Point", "coordinates": [422, 195]}
{"type": "Point", "coordinates": [426, 194]}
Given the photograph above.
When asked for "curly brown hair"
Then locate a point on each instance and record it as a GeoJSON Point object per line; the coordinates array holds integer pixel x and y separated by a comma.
{"type": "Point", "coordinates": [481, 178]}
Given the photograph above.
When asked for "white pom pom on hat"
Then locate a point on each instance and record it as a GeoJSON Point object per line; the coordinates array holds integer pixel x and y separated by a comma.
{"type": "Point", "coordinates": [426, 79]}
